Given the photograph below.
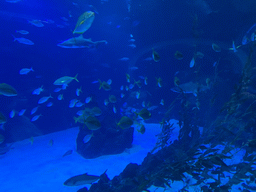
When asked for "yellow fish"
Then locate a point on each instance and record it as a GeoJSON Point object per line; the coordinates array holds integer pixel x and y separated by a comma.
{"type": "Point", "coordinates": [84, 22]}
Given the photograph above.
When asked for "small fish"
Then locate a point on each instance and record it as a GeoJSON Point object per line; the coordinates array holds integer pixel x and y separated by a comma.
{"type": "Point", "coordinates": [122, 95]}
{"type": "Point", "coordinates": [12, 114]}
{"type": "Point", "coordinates": [36, 23]}
{"type": "Point", "coordinates": [155, 56]}
{"type": "Point", "coordinates": [38, 91]}
{"type": "Point", "coordinates": [122, 88]}
{"type": "Point", "coordinates": [199, 55]}
{"type": "Point", "coordinates": [25, 71]}
{"type": "Point", "coordinates": [92, 123]}
{"type": "Point", "coordinates": [125, 122]}
{"type": "Point", "coordinates": [159, 82]}
{"type": "Point", "coordinates": [23, 32]}
{"type": "Point", "coordinates": [64, 86]}
{"type": "Point", "coordinates": [132, 45]}
{"type": "Point", "coordinates": [36, 117]}
{"type": "Point", "coordinates": [49, 104]}
{"type": "Point", "coordinates": [142, 129]}
{"type": "Point", "coordinates": [72, 103]}
{"type": "Point", "coordinates": [78, 91]}
{"type": "Point", "coordinates": [44, 99]}
{"type": "Point", "coordinates": [23, 40]}
{"type": "Point", "coordinates": [192, 63]}
{"type": "Point", "coordinates": [132, 40]}
{"type": "Point", "coordinates": [131, 86]}
{"type": "Point", "coordinates": [133, 68]}
{"type": "Point", "coordinates": [137, 95]}
{"type": "Point", "coordinates": [128, 78]}
{"type": "Point", "coordinates": [178, 55]}
{"type": "Point", "coordinates": [87, 138]}
{"type": "Point", "coordinates": [144, 114]}
{"type": "Point", "coordinates": [65, 80]}
{"type": "Point", "coordinates": [234, 47]}
{"type": "Point", "coordinates": [88, 99]}
{"type": "Point", "coordinates": [143, 104]}
{"type": "Point", "coordinates": [104, 85]}
{"type": "Point", "coordinates": [60, 97]}
{"type": "Point", "coordinates": [12, 1]}
{"type": "Point", "coordinates": [33, 110]}
{"type": "Point", "coordinates": [124, 59]}
{"type": "Point", "coordinates": [79, 104]}
{"type": "Point", "coordinates": [22, 111]}
{"type": "Point", "coordinates": [57, 90]}
{"type": "Point", "coordinates": [216, 48]}
{"type": "Point", "coordinates": [114, 109]}
{"type": "Point", "coordinates": [69, 152]}
{"type": "Point", "coordinates": [162, 102]}
{"type": "Point", "coordinates": [80, 112]}
{"type": "Point", "coordinates": [112, 99]}
{"type": "Point", "coordinates": [176, 81]}
{"type": "Point", "coordinates": [2, 118]}
{"type": "Point", "coordinates": [109, 81]}
{"type": "Point", "coordinates": [106, 102]}
{"type": "Point", "coordinates": [145, 80]}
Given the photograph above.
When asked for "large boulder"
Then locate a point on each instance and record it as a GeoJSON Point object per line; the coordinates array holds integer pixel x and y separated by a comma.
{"type": "Point", "coordinates": [109, 139]}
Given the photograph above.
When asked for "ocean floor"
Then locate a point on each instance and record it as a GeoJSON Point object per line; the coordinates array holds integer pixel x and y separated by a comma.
{"type": "Point", "coordinates": [40, 167]}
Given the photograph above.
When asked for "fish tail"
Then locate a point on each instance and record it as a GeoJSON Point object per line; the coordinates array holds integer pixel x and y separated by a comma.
{"type": "Point", "coordinates": [14, 38]}
{"type": "Point", "coordinates": [76, 119]}
{"type": "Point", "coordinates": [100, 83]}
{"type": "Point", "coordinates": [76, 77]}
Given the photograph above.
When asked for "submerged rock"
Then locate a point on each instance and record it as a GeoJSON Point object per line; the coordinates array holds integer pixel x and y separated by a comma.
{"type": "Point", "coordinates": [107, 140]}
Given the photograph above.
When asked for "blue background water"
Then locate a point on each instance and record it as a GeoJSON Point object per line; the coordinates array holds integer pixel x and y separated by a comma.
{"type": "Point", "coordinates": [149, 22]}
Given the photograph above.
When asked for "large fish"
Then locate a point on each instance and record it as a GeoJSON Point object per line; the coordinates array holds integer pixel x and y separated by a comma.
{"type": "Point", "coordinates": [82, 179]}
{"type": "Point", "coordinates": [84, 22]}
{"type": "Point", "coordinates": [7, 90]}
{"type": "Point", "coordinates": [80, 42]}
{"type": "Point", "coordinates": [190, 87]}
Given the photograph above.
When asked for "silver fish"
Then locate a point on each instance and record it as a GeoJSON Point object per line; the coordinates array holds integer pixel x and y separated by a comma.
{"type": "Point", "coordinates": [82, 179]}
{"type": "Point", "coordinates": [80, 42]}
{"type": "Point", "coordinates": [23, 40]}
{"type": "Point", "coordinates": [190, 87]}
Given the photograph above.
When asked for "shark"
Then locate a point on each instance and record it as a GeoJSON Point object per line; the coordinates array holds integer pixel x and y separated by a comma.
{"type": "Point", "coordinates": [190, 87]}
{"type": "Point", "coordinates": [80, 42]}
{"type": "Point", "coordinates": [82, 179]}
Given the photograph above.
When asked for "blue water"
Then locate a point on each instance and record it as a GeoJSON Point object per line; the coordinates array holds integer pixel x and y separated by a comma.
{"type": "Point", "coordinates": [167, 26]}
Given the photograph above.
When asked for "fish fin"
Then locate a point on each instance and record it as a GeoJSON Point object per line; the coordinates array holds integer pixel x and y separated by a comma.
{"type": "Point", "coordinates": [100, 83]}
{"type": "Point", "coordinates": [14, 38]}
{"type": "Point", "coordinates": [76, 77]}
